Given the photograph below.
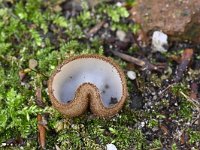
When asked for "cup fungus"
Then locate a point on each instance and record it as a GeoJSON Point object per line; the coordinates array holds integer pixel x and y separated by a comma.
{"type": "Point", "coordinates": [84, 81]}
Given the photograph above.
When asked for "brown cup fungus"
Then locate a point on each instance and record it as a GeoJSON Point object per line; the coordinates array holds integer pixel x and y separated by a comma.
{"type": "Point", "coordinates": [84, 81]}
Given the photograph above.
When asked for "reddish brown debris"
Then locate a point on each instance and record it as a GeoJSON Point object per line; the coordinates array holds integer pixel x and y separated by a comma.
{"type": "Point", "coordinates": [187, 55]}
{"type": "Point", "coordinates": [184, 138]}
{"type": "Point", "coordinates": [164, 129]}
{"type": "Point", "coordinates": [42, 131]}
{"type": "Point", "coordinates": [182, 67]}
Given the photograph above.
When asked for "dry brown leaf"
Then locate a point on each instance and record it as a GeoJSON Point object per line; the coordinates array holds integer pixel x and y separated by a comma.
{"type": "Point", "coordinates": [184, 138]}
{"type": "Point", "coordinates": [164, 129]}
{"type": "Point", "coordinates": [96, 28]}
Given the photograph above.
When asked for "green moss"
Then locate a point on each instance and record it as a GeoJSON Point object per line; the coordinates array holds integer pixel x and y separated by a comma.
{"type": "Point", "coordinates": [33, 29]}
{"type": "Point", "coordinates": [115, 12]}
{"type": "Point", "coordinates": [174, 146]}
{"type": "Point", "coordinates": [186, 109]}
{"type": "Point", "coordinates": [194, 136]}
{"type": "Point", "coordinates": [28, 31]}
{"type": "Point", "coordinates": [156, 144]}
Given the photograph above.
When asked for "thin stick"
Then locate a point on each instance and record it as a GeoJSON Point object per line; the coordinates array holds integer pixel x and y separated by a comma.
{"type": "Point", "coordinates": [134, 60]}
{"type": "Point", "coordinates": [96, 28]}
{"type": "Point", "coordinates": [164, 90]}
{"type": "Point", "coordinates": [142, 63]}
{"type": "Point", "coordinates": [41, 132]}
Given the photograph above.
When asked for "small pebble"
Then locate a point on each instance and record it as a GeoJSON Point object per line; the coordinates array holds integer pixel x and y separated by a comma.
{"type": "Point", "coordinates": [131, 75]}
{"type": "Point", "coordinates": [119, 4]}
{"type": "Point", "coordinates": [3, 144]}
{"type": "Point", "coordinates": [154, 129]}
{"type": "Point", "coordinates": [159, 42]}
{"type": "Point", "coordinates": [120, 35]}
{"type": "Point", "coordinates": [142, 124]}
{"type": "Point", "coordinates": [111, 147]}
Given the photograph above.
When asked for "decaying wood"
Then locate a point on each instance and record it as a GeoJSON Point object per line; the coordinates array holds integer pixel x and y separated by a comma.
{"type": "Point", "coordinates": [146, 65]}
{"type": "Point", "coordinates": [42, 131]}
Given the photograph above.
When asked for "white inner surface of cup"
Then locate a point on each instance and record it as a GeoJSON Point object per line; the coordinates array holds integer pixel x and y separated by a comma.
{"type": "Point", "coordinates": [88, 70]}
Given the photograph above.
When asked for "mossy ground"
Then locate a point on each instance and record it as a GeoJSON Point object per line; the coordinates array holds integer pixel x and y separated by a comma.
{"type": "Point", "coordinates": [48, 33]}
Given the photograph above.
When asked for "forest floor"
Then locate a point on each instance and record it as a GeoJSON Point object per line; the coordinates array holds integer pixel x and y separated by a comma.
{"type": "Point", "coordinates": [161, 112]}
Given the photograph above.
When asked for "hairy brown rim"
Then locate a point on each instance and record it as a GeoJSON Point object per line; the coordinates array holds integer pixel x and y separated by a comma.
{"type": "Point", "coordinates": [76, 107]}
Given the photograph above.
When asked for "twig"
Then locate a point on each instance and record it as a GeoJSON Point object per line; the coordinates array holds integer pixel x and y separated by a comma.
{"type": "Point", "coordinates": [134, 60]}
{"type": "Point", "coordinates": [42, 131]}
{"type": "Point", "coordinates": [96, 28]}
{"type": "Point", "coordinates": [142, 63]}
{"type": "Point", "coordinates": [164, 90]}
